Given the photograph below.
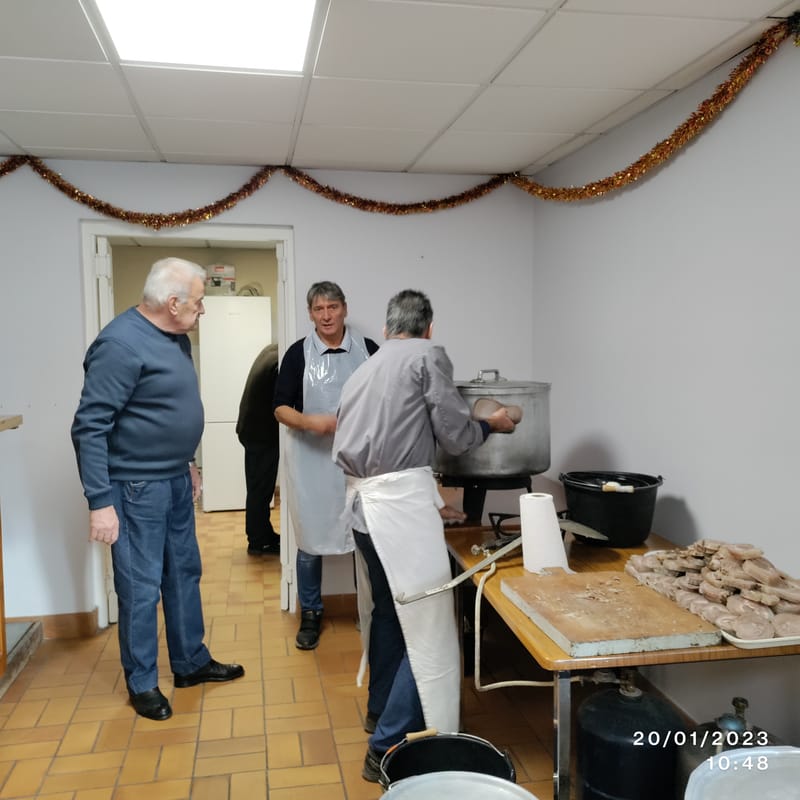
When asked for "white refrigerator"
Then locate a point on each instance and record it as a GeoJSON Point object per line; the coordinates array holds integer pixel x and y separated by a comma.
{"type": "Point", "coordinates": [232, 332]}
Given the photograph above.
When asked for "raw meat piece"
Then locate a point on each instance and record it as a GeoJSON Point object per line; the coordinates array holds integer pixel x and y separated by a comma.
{"type": "Point", "coordinates": [714, 593]}
{"type": "Point", "coordinates": [740, 605]}
{"type": "Point", "coordinates": [751, 626]}
{"type": "Point", "coordinates": [762, 570]}
{"type": "Point", "coordinates": [786, 624]}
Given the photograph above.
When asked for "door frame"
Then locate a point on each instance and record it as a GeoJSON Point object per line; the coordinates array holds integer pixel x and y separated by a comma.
{"type": "Point", "coordinates": [98, 310]}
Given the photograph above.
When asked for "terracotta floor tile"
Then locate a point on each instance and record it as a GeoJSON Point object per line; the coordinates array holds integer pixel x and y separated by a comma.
{"type": "Point", "coordinates": [304, 776]}
{"type": "Point", "coordinates": [177, 761]}
{"type": "Point", "coordinates": [224, 765]}
{"type": "Point", "coordinates": [318, 747]}
{"type": "Point", "coordinates": [80, 738]}
{"type": "Point", "coordinates": [96, 779]}
{"type": "Point", "coordinates": [169, 790]}
{"type": "Point", "coordinates": [248, 786]}
{"type": "Point", "coordinates": [216, 724]}
{"type": "Point", "coordinates": [283, 750]}
{"type": "Point", "coordinates": [140, 765]}
{"type": "Point", "coordinates": [231, 746]}
{"type": "Point", "coordinates": [249, 721]}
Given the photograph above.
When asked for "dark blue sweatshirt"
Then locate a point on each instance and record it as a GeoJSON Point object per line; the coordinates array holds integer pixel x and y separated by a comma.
{"type": "Point", "coordinates": [140, 415]}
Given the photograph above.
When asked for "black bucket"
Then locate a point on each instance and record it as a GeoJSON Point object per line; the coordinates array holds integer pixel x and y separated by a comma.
{"type": "Point", "coordinates": [445, 752]}
{"type": "Point", "coordinates": [625, 516]}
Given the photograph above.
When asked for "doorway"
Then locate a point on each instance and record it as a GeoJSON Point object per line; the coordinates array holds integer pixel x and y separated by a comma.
{"type": "Point", "coordinates": [100, 239]}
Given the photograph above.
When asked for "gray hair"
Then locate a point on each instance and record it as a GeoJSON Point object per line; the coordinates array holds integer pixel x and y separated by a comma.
{"type": "Point", "coordinates": [170, 277]}
{"type": "Point", "coordinates": [327, 289]}
{"type": "Point", "coordinates": [409, 312]}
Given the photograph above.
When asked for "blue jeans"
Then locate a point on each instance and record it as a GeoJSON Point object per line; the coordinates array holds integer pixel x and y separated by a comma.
{"type": "Point", "coordinates": [309, 581]}
{"type": "Point", "coordinates": [393, 694]}
{"type": "Point", "coordinates": [155, 555]}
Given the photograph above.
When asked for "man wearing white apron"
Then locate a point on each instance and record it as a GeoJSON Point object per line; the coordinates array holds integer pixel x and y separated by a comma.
{"type": "Point", "coordinates": [393, 411]}
{"type": "Point", "coordinates": [310, 380]}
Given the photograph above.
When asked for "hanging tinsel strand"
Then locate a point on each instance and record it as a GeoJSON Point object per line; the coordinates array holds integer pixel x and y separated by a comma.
{"type": "Point", "coordinates": [696, 123]}
{"type": "Point", "coordinates": [381, 207]}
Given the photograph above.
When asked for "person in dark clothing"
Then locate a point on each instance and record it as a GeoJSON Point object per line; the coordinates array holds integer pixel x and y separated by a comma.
{"type": "Point", "coordinates": [138, 424]}
{"type": "Point", "coordinates": [257, 430]}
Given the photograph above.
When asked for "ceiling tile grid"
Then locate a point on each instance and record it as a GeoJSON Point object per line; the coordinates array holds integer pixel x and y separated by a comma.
{"type": "Point", "coordinates": [454, 86]}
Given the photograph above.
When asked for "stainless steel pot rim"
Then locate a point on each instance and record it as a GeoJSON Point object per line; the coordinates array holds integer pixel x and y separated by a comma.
{"type": "Point", "coordinates": [502, 387]}
{"type": "Point", "coordinates": [594, 480]}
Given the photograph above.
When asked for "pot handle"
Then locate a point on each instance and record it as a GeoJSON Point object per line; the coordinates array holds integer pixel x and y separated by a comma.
{"type": "Point", "coordinates": [482, 372]}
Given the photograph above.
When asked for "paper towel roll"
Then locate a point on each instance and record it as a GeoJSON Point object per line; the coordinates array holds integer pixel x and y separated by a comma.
{"type": "Point", "coordinates": [542, 545]}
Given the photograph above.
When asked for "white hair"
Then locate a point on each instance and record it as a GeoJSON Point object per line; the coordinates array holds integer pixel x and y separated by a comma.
{"type": "Point", "coordinates": [170, 277]}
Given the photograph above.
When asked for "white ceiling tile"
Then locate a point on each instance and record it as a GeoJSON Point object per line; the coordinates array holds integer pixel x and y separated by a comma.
{"type": "Point", "coordinates": [551, 156]}
{"type": "Point", "coordinates": [426, 42]}
{"type": "Point", "coordinates": [533, 109]}
{"type": "Point", "coordinates": [489, 153]}
{"type": "Point", "coordinates": [597, 50]}
{"type": "Point", "coordinates": [203, 94]}
{"type": "Point", "coordinates": [710, 9]}
{"type": "Point", "coordinates": [384, 104]}
{"type": "Point", "coordinates": [8, 148]}
{"type": "Point", "coordinates": [79, 87]}
{"type": "Point", "coordinates": [230, 142]}
{"type": "Point", "coordinates": [536, 5]}
{"type": "Point", "coordinates": [716, 56]}
{"type": "Point", "coordinates": [346, 148]}
{"type": "Point", "coordinates": [92, 131]}
{"type": "Point", "coordinates": [97, 154]}
{"type": "Point", "coordinates": [626, 112]}
{"type": "Point", "coordinates": [47, 29]}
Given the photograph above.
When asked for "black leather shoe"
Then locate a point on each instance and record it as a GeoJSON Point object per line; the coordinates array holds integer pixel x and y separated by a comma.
{"type": "Point", "coordinates": [213, 672]}
{"type": "Point", "coordinates": [371, 722]}
{"type": "Point", "coordinates": [264, 549]}
{"type": "Point", "coordinates": [371, 770]}
{"type": "Point", "coordinates": [308, 636]}
{"type": "Point", "coordinates": [151, 704]}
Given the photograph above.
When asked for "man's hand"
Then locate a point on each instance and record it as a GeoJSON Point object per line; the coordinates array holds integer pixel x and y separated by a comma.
{"type": "Point", "coordinates": [103, 525]}
{"type": "Point", "coordinates": [197, 485]}
{"type": "Point", "coordinates": [500, 422]}
{"type": "Point", "coordinates": [451, 515]}
{"type": "Point", "coordinates": [321, 424]}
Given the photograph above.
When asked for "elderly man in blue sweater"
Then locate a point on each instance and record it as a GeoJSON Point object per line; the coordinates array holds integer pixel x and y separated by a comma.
{"type": "Point", "coordinates": [135, 432]}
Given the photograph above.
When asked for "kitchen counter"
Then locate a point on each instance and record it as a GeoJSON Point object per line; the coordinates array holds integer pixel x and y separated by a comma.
{"type": "Point", "coordinates": [581, 558]}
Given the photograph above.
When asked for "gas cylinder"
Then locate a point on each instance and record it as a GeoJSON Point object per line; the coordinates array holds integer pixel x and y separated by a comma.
{"type": "Point", "coordinates": [726, 732]}
{"type": "Point", "coordinates": [626, 744]}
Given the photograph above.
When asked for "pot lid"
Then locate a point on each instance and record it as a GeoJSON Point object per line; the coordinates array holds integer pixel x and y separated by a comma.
{"type": "Point", "coordinates": [490, 381]}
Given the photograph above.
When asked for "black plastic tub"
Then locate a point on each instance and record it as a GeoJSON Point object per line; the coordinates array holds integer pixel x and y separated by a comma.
{"type": "Point", "coordinates": [624, 515]}
{"type": "Point", "coordinates": [445, 752]}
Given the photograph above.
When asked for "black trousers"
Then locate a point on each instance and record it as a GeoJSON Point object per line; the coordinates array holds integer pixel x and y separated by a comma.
{"type": "Point", "coordinates": [261, 473]}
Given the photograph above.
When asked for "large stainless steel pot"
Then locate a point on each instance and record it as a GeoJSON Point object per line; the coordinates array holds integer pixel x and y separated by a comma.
{"type": "Point", "coordinates": [526, 451]}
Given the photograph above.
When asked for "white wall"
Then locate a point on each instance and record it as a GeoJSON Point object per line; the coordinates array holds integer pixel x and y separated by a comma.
{"type": "Point", "coordinates": [475, 263]}
{"type": "Point", "coordinates": [666, 319]}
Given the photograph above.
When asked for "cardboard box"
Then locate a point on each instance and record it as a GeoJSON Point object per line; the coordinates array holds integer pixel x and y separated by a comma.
{"type": "Point", "coordinates": [221, 279]}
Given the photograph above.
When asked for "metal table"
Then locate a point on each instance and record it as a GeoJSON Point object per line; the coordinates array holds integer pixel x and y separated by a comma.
{"type": "Point", "coordinates": [582, 558]}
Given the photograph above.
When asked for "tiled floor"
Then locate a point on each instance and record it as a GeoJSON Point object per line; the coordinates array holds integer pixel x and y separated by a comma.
{"type": "Point", "coordinates": [291, 729]}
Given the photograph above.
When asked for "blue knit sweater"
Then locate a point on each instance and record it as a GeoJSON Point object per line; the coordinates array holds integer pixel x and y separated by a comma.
{"type": "Point", "coordinates": [140, 415]}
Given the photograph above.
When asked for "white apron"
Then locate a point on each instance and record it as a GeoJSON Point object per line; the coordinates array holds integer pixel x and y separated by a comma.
{"type": "Point", "coordinates": [317, 486]}
{"type": "Point", "coordinates": [401, 512]}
